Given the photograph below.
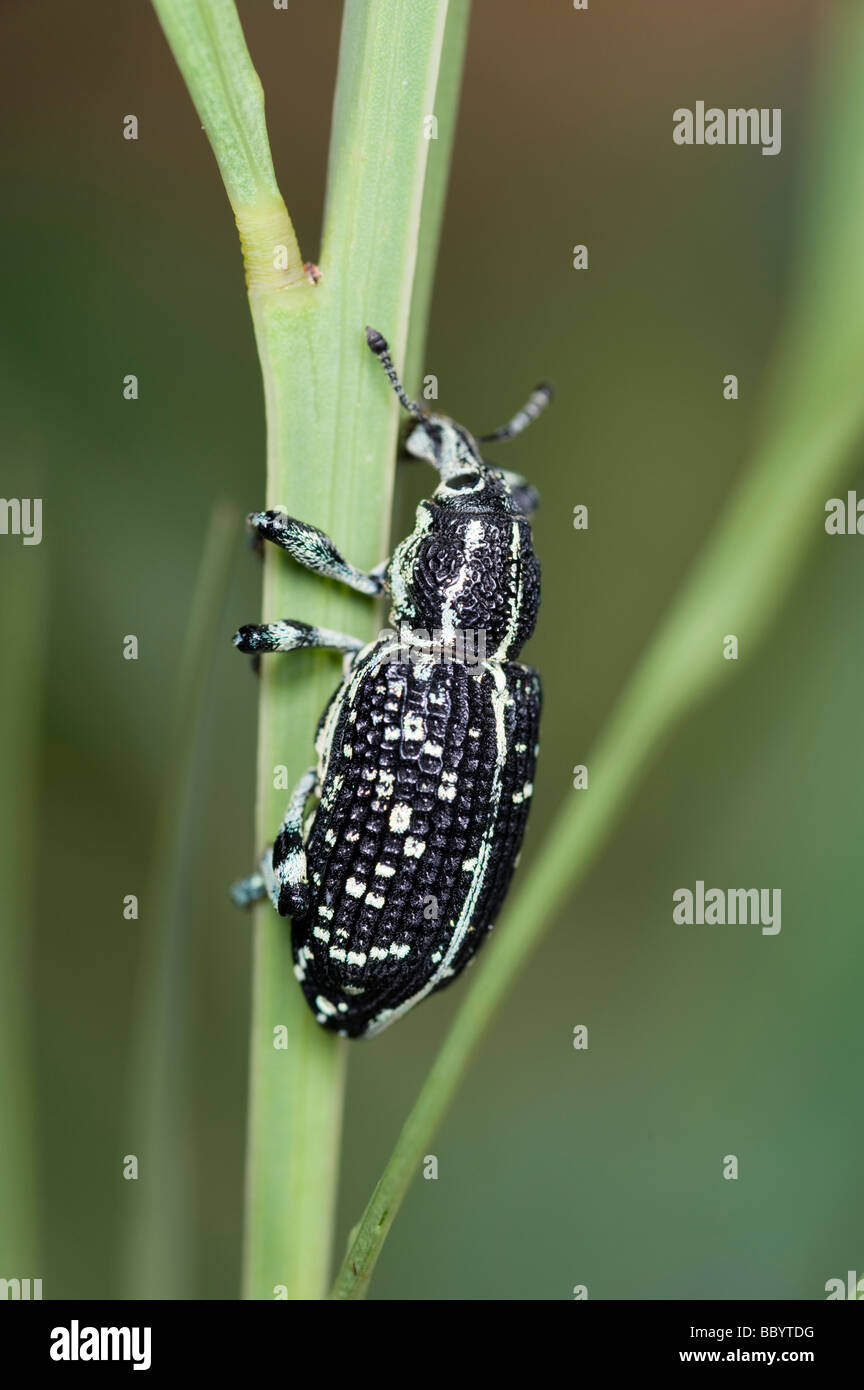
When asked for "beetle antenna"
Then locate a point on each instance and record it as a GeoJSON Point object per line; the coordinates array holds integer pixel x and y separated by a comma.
{"type": "Point", "coordinates": [534, 406]}
{"type": "Point", "coordinates": [378, 344]}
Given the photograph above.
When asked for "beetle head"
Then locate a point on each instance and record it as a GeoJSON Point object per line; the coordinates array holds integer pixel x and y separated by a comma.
{"type": "Point", "coordinates": [468, 483]}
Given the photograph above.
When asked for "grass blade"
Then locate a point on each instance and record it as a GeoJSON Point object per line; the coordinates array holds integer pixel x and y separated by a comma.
{"type": "Point", "coordinates": [22, 574]}
{"type": "Point", "coordinates": [158, 1241]}
{"type": "Point", "coordinates": [331, 430]}
{"type": "Point", "coordinates": [331, 442]}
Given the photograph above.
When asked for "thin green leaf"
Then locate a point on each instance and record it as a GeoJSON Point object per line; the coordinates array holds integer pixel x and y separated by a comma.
{"type": "Point", "coordinates": [22, 574]}
{"type": "Point", "coordinates": [331, 430]}
{"type": "Point", "coordinates": [158, 1244]}
{"type": "Point", "coordinates": [207, 42]}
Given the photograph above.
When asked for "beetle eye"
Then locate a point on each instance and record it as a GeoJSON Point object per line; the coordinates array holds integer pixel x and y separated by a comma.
{"type": "Point", "coordinates": [463, 481]}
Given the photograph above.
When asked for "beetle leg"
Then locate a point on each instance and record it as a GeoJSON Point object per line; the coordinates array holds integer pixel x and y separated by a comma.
{"type": "Point", "coordinates": [282, 874]}
{"type": "Point", "coordinates": [247, 891]}
{"type": "Point", "coordinates": [290, 887]}
{"type": "Point", "coordinates": [379, 573]}
{"type": "Point", "coordinates": [313, 549]}
{"type": "Point", "coordinates": [289, 635]}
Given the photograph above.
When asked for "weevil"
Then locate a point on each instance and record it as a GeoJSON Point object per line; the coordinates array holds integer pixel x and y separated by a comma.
{"type": "Point", "coordinates": [427, 748]}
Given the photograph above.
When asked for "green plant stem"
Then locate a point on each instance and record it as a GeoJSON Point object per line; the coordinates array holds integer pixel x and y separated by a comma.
{"type": "Point", "coordinates": [161, 1200]}
{"type": "Point", "coordinates": [207, 42]}
{"type": "Point", "coordinates": [445, 109]}
{"type": "Point", "coordinates": [331, 430]}
{"type": "Point", "coordinates": [814, 416]}
{"type": "Point", "coordinates": [23, 583]}
{"type": "Point", "coordinates": [331, 443]}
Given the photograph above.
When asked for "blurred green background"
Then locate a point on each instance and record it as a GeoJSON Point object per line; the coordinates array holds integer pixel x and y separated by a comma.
{"type": "Point", "coordinates": [557, 1167]}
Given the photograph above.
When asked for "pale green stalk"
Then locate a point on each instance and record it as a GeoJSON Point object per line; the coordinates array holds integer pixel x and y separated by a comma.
{"type": "Point", "coordinates": [331, 431]}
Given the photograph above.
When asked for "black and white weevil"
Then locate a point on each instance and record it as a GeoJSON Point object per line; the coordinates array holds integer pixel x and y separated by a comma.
{"type": "Point", "coordinates": [426, 751]}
